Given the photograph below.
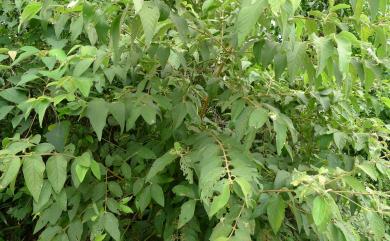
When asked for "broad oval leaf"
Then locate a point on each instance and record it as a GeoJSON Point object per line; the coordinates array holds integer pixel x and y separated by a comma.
{"type": "Point", "coordinates": [275, 212]}
{"type": "Point", "coordinates": [33, 169]}
{"type": "Point", "coordinates": [56, 169]}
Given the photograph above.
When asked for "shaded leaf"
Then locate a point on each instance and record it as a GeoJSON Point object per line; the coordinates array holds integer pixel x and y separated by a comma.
{"type": "Point", "coordinates": [275, 212]}
{"type": "Point", "coordinates": [186, 212]}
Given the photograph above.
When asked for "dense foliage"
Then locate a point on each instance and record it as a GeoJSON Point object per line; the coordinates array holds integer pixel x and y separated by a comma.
{"type": "Point", "coordinates": [195, 120]}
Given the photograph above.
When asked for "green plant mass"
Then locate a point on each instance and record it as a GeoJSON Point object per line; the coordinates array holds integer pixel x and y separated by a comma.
{"type": "Point", "coordinates": [187, 120]}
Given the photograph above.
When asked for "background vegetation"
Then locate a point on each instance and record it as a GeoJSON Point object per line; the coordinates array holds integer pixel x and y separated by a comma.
{"type": "Point", "coordinates": [195, 120]}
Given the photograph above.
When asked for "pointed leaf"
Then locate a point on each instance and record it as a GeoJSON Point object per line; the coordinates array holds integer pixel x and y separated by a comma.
{"type": "Point", "coordinates": [111, 225]}
{"type": "Point", "coordinates": [344, 51]}
{"type": "Point", "coordinates": [248, 15]}
{"type": "Point", "coordinates": [11, 171]}
{"type": "Point", "coordinates": [186, 212]}
{"type": "Point", "coordinates": [115, 35]}
{"type": "Point", "coordinates": [321, 211]}
{"type": "Point", "coordinates": [29, 12]}
{"type": "Point", "coordinates": [258, 118]}
{"type": "Point", "coordinates": [275, 212]}
{"type": "Point", "coordinates": [157, 194]}
{"type": "Point", "coordinates": [97, 112]}
{"type": "Point", "coordinates": [33, 168]}
{"type": "Point", "coordinates": [220, 201]}
{"type": "Point", "coordinates": [56, 171]}
{"type": "Point", "coordinates": [149, 15]}
{"type": "Point", "coordinates": [160, 163]}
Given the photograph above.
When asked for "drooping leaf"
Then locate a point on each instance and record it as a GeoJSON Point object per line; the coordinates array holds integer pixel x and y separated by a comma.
{"type": "Point", "coordinates": [29, 12]}
{"type": "Point", "coordinates": [82, 66]}
{"type": "Point", "coordinates": [324, 49]}
{"type": "Point", "coordinates": [4, 110]}
{"type": "Point", "coordinates": [258, 118]}
{"type": "Point", "coordinates": [344, 51]}
{"type": "Point", "coordinates": [115, 35]}
{"type": "Point", "coordinates": [58, 134]}
{"type": "Point", "coordinates": [186, 212]}
{"type": "Point", "coordinates": [33, 169]}
{"type": "Point", "coordinates": [10, 172]}
{"type": "Point", "coordinates": [376, 225]}
{"type": "Point", "coordinates": [118, 111]}
{"type": "Point", "coordinates": [281, 135]}
{"type": "Point", "coordinates": [321, 211]}
{"type": "Point", "coordinates": [76, 27]}
{"type": "Point", "coordinates": [248, 15]}
{"type": "Point", "coordinates": [160, 163]}
{"type": "Point", "coordinates": [97, 112]}
{"type": "Point", "coordinates": [111, 225]}
{"type": "Point", "coordinates": [220, 201]}
{"type": "Point", "coordinates": [275, 212]}
{"type": "Point", "coordinates": [149, 15]}
{"type": "Point", "coordinates": [157, 194]}
{"type": "Point", "coordinates": [56, 169]}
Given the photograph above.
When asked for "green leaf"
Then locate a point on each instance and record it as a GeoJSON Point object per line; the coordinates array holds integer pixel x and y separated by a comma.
{"type": "Point", "coordinates": [281, 135]}
{"type": "Point", "coordinates": [82, 66]}
{"type": "Point", "coordinates": [348, 231]}
{"type": "Point", "coordinates": [324, 49]}
{"type": "Point", "coordinates": [160, 163]}
{"type": "Point", "coordinates": [157, 194]}
{"type": "Point", "coordinates": [115, 189]}
{"type": "Point", "coordinates": [14, 95]}
{"type": "Point", "coordinates": [376, 225]}
{"type": "Point", "coordinates": [296, 59]}
{"type": "Point", "coordinates": [321, 211]}
{"type": "Point", "coordinates": [84, 85]}
{"type": "Point", "coordinates": [118, 111]}
{"type": "Point", "coordinates": [58, 134]}
{"type": "Point", "coordinates": [27, 77]}
{"type": "Point", "coordinates": [370, 170]}
{"type": "Point", "coordinates": [186, 212]}
{"type": "Point", "coordinates": [181, 25]}
{"type": "Point", "coordinates": [60, 24]}
{"type": "Point", "coordinates": [76, 27]}
{"type": "Point", "coordinates": [340, 139]}
{"type": "Point", "coordinates": [82, 164]}
{"type": "Point", "coordinates": [111, 225]}
{"type": "Point", "coordinates": [275, 212]}
{"type": "Point", "coordinates": [56, 169]}
{"type": "Point", "coordinates": [95, 168]}
{"type": "Point", "coordinates": [220, 201]}
{"type": "Point", "coordinates": [49, 62]}
{"type": "Point", "coordinates": [143, 200]}
{"type": "Point", "coordinates": [33, 169]}
{"type": "Point", "coordinates": [149, 15]}
{"type": "Point", "coordinates": [115, 36]}
{"type": "Point", "coordinates": [29, 12]}
{"type": "Point", "coordinates": [344, 50]}
{"type": "Point", "coordinates": [75, 230]}
{"type": "Point", "coordinates": [97, 112]}
{"type": "Point", "coordinates": [354, 183]}
{"type": "Point", "coordinates": [245, 187]}
{"type": "Point", "coordinates": [49, 233]}
{"type": "Point", "coordinates": [386, 102]}
{"type": "Point", "coordinates": [258, 118]}
{"type": "Point", "coordinates": [40, 107]}
{"type": "Point", "coordinates": [248, 15]}
{"type": "Point", "coordinates": [4, 110]}
{"type": "Point", "coordinates": [28, 52]}
{"type": "Point", "coordinates": [12, 166]}
{"type": "Point", "coordinates": [149, 114]}
{"type": "Point", "coordinates": [276, 5]}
